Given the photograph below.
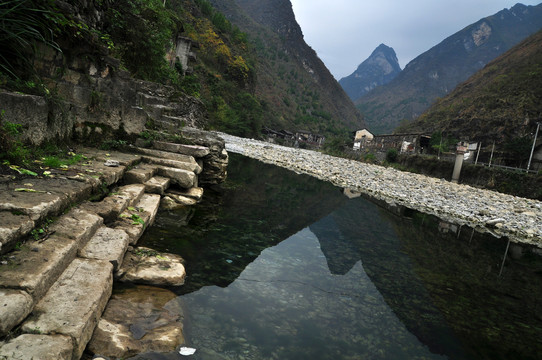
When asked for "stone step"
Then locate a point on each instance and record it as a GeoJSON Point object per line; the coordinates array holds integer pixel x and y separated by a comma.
{"type": "Point", "coordinates": [189, 166]}
{"type": "Point", "coordinates": [42, 347]}
{"type": "Point", "coordinates": [74, 304]}
{"type": "Point", "coordinates": [196, 151]}
{"type": "Point", "coordinates": [112, 206]}
{"type": "Point", "coordinates": [134, 220]}
{"type": "Point", "coordinates": [39, 263]}
{"type": "Point", "coordinates": [195, 193]}
{"type": "Point", "coordinates": [32, 270]}
{"type": "Point", "coordinates": [40, 198]}
{"type": "Point", "coordinates": [12, 228]}
{"type": "Point", "coordinates": [139, 174]}
{"type": "Point", "coordinates": [157, 185]}
{"type": "Point", "coordinates": [165, 155]}
{"type": "Point", "coordinates": [15, 305]}
{"type": "Point", "coordinates": [183, 178]}
{"type": "Point", "coordinates": [107, 244]}
{"type": "Point", "coordinates": [103, 155]}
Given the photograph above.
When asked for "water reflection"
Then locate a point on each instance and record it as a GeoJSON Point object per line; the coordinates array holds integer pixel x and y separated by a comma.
{"type": "Point", "coordinates": [350, 280]}
{"type": "Point", "coordinates": [288, 305]}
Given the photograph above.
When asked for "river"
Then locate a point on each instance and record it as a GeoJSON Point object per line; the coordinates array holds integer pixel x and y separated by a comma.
{"type": "Point", "coordinates": [284, 266]}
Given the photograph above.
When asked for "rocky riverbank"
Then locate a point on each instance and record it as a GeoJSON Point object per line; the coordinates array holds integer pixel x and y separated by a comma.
{"type": "Point", "coordinates": [67, 232]}
{"type": "Point", "coordinates": [519, 219]}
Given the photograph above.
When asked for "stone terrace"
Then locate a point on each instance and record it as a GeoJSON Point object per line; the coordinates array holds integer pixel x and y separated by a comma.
{"type": "Point", "coordinates": [61, 251]}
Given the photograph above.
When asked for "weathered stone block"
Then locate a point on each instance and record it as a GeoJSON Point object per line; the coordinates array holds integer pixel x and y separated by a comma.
{"type": "Point", "coordinates": [191, 150]}
{"type": "Point", "coordinates": [112, 206]}
{"type": "Point", "coordinates": [74, 303]}
{"type": "Point", "coordinates": [189, 166]}
{"type": "Point", "coordinates": [140, 174]}
{"type": "Point", "coordinates": [145, 210]}
{"type": "Point", "coordinates": [37, 266]}
{"type": "Point", "coordinates": [165, 155]}
{"type": "Point", "coordinates": [183, 178]}
{"type": "Point", "coordinates": [147, 266]}
{"type": "Point", "coordinates": [28, 346]}
{"type": "Point", "coordinates": [15, 305]}
{"type": "Point", "coordinates": [78, 225]}
{"type": "Point", "coordinates": [195, 193]}
{"type": "Point", "coordinates": [139, 320]}
{"type": "Point", "coordinates": [107, 244]}
{"type": "Point", "coordinates": [12, 228]}
{"type": "Point", "coordinates": [157, 185]}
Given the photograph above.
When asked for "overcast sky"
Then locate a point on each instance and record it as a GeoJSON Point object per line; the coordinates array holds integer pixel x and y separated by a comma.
{"type": "Point", "coordinates": [345, 32]}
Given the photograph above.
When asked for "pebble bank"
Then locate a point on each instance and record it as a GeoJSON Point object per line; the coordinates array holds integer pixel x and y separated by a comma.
{"type": "Point", "coordinates": [519, 219]}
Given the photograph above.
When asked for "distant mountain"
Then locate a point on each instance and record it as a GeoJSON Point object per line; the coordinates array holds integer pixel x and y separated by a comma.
{"type": "Point", "coordinates": [502, 102]}
{"type": "Point", "coordinates": [380, 68]}
{"type": "Point", "coordinates": [299, 90]}
{"type": "Point", "coordinates": [437, 72]}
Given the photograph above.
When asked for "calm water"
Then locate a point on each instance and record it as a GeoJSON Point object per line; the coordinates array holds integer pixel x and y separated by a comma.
{"type": "Point", "coordinates": [283, 266]}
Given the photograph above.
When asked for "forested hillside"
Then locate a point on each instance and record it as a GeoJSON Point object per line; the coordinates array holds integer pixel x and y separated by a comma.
{"type": "Point", "coordinates": [245, 81]}
{"type": "Point", "coordinates": [501, 103]}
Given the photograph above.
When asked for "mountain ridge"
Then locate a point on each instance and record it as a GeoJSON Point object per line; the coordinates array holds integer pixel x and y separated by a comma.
{"type": "Point", "coordinates": [378, 69]}
{"type": "Point", "coordinates": [439, 70]}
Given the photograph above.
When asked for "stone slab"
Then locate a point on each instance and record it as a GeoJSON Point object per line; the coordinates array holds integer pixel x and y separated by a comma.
{"type": "Point", "coordinates": [189, 166]}
{"type": "Point", "coordinates": [112, 206]}
{"type": "Point", "coordinates": [42, 347]}
{"type": "Point", "coordinates": [196, 151]}
{"type": "Point", "coordinates": [74, 303]}
{"type": "Point", "coordinates": [139, 174]}
{"type": "Point", "coordinates": [37, 266]}
{"type": "Point", "coordinates": [165, 155]}
{"type": "Point", "coordinates": [77, 224]}
{"type": "Point", "coordinates": [36, 205]}
{"type": "Point", "coordinates": [144, 210]}
{"type": "Point", "coordinates": [195, 193]}
{"type": "Point", "coordinates": [40, 198]}
{"type": "Point", "coordinates": [146, 266]}
{"type": "Point", "coordinates": [123, 158]}
{"type": "Point", "coordinates": [107, 244]}
{"type": "Point", "coordinates": [12, 228]}
{"type": "Point", "coordinates": [182, 200]}
{"type": "Point", "coordinates": [15, 305]}
{"type": "Point", "coordinates": [157, 185]}
{"type": "Point", "coordinates": [183, 178]}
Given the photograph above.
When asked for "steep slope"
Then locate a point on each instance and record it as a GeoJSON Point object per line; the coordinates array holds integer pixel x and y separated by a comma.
{"type": "Point", "coordinates": [299, 90]}
{"type": "Point", "coordinates": [379, 69]}
{"type": "Point", "coordinates": [437, 72]}
{"type": "Point", "coordinates": [501, 102]}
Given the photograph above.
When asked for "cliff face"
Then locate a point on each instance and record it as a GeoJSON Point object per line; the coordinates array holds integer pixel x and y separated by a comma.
{"type": "Point", "coordinates": [437, 72]}
{"type": "Point", "coordinates": [380, 68]}
{"type": "Point", "coordinates": [300, 90]}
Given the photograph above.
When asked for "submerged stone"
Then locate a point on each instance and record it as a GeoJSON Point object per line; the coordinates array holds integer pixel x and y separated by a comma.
{"type": "Point", "coordinates": [138, 320]}
{"type": "Point", "coordinates": [146, 266]}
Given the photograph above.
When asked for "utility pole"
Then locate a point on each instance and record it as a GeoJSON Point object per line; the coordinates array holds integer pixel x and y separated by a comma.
{"type": "Point", "coordinates": [492, 150]}
{"type": "Point", "coordinates": [478, 154]}
{"type": "Point", "coordinates": [534, 145]}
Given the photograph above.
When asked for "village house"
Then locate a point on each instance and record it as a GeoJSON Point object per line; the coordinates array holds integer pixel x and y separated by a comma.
{"type": "Point", "coordinates": [361, 138]}
{"type": "Point", "coordinates": [404, 143]}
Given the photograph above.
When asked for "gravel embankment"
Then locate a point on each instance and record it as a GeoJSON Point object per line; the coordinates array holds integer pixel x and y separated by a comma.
{"type": "Point", "coordinates": [518, 218]}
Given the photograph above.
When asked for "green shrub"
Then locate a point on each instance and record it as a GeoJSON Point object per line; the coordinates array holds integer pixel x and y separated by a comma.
{"type": "Point", "coordinates": [391, 155]}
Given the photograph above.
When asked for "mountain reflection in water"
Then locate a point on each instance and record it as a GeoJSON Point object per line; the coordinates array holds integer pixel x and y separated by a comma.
{"type": "Point", "coordinates": [350, 280]}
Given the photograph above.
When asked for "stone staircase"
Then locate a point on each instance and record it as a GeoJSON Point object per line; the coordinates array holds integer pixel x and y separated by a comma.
{"type": "Point", "coordinates": [56, 276]}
